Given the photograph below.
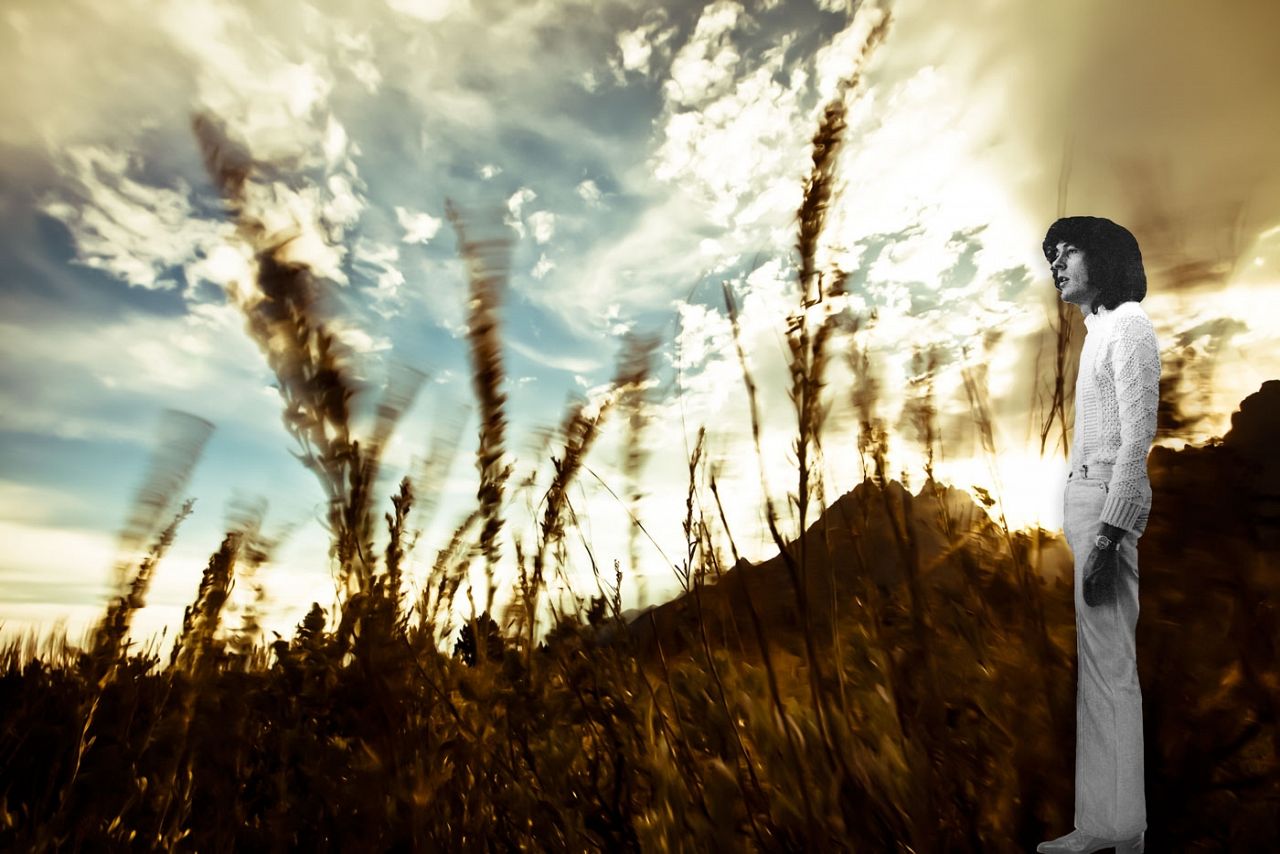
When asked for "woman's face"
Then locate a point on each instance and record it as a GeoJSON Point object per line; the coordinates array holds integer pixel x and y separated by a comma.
{"type": "Point", "coordinates": [1071, 275]}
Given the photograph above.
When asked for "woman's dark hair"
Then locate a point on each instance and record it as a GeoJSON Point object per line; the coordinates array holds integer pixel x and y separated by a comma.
{"type": "Point", "coordinates": [1111, 256]}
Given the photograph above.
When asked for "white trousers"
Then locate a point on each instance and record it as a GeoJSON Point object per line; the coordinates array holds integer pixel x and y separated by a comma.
{"type": "Point", "coordinates": [1109, 787]}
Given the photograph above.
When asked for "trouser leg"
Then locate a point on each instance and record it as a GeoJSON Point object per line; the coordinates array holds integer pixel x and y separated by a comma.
{"type": "Point", "coordinates": [1110, 797]}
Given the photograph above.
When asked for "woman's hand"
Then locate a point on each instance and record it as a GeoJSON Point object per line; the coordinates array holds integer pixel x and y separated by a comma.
{"type": "Point", "coordinates": [1101, 569]}
{"type": "Point", "coordinates": [1112, 533]}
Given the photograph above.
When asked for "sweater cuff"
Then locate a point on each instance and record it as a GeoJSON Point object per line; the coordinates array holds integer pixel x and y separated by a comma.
{"type": "Point", "coordinates": [1121, 512]}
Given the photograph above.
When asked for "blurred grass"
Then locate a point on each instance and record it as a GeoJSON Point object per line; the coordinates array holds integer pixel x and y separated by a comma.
{"type": "Point", "coordinates": [818, 702]}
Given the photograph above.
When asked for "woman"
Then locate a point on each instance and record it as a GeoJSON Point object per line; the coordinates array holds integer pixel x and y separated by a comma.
{"type": "Point", "coordinates": [1097, 266]}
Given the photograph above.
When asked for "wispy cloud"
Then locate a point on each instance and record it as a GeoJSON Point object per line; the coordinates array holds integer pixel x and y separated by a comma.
{"type": "Point", "coordinates": [430, 10]}
{"type": "Point", "coordinates": [418, 227]}
{"type": "Point", "coordinates": [144, 235]}
{"type": "Point", "coordinates": [646, 48]}
{"type": "Point", "coordinates": [589, 192]}
{"type": "Point", "coordinates": [101, 378]}
{"type": "Point", "coordinates": [543, 225]}
{"type": "Point", "coordinates": [704, 68]}
{"type": "Point", "coordinates": [560, 362]}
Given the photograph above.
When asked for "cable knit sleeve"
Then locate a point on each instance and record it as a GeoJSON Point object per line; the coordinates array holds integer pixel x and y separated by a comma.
{"type": "Point", "coordinates": [1135, 361]}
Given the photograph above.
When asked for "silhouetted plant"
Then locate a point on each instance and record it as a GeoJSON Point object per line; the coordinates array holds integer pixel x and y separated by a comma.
{"type": "Point", "coordinates": [467, 649]}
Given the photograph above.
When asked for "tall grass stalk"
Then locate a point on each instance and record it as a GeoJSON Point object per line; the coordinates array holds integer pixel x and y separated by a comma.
{"type": "Point", "coordinates": [447, 573]}
{"type": "Point", "coordinates": [976, 391]}
{"type": "Point", "coordinates": [111, 631]}
{"type": "Point", "coordinates": [180, 443]}
{"type": "Point", "coordinates": [580, 428]}
{"type": "Point", "coordinates": [1057, 407]}
{"type": "Point", "coordinates": [752, 793]}
{"type": "Point", "coordinates": [808, 361]}
{"type": "Point", "coordinates": [771, 519]}
{"type": "Point", "coordinates": [313, 368]}
{"type": "Point", "coordinates": [396, 548]}
{"type": "Point", "coordinates": [487, 262]}
{"type": "Point", "coordinates": [634, 370]}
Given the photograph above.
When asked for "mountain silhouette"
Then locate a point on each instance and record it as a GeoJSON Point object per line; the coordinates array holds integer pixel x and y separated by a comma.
{"type": "Point", "coordinates": [868, 536]}
{"type": "Point", "coordinates": [1226, 491]}
{"type": "Point", "coordinates": [862, 545]}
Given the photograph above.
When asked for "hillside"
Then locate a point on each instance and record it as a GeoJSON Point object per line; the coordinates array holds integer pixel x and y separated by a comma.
{"type": "Point", "coordinates": [1227, 490]}
{"type": "Point", "coordinates": [954, 544]}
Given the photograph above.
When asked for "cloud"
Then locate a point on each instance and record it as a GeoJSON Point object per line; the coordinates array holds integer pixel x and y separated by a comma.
{"type": "Point", "coordinates": [355, 52]}
{"type": "Point", "coordinates": [35, 504]}
{"type": "Point", "coordinates": [381, 263]}
{"type": "Point", "coordinates": [57, 573]}
{"type": "Point", "coordinates": [561, 362]}
{"type": "Point", "coordinates": [544, 266]}
{"type": "Point", "coordinates": [90, 378]}
{"type": "Point", "coordinates": [1166, 140]}
{"type": "Point", "coordinates": [635, 269]}
{"type": "Point", "coordinates": [743, 151]}
{"type": "Point", "coordinates": [730, 156]}
{"type": "Point", "coordinates": [515, 208]}
{"type": "Point", "coordinates": [74, 558]}
{"type": "Point", "coordinates": [704, 67]}
{"type": "Point", "coordinates": [246, 77]}
{"type": "Point", "coordinates": [142, 235]}
{"type": "Point", "coordinates": [738, 145]}
{"type": "Point", "coordinates": [149, 235]}
{"type": "Point", "coordinates": [635, 49]}
{"type": "Point", "coordinates": [343, 205]}
{"type": "Point", "coordinates": [589, 192]}
{"type": "Point", "coordinates": [543, 225]}
{"type": "Point", "coordinates": [638, 47]}
{"type": "Point", "coordinates": [518, 199]}
{"type": "Point", "coordinates": [359, 340]}
{"type": "Point", "coordinates": [430, 11]}
{"type": "Point", "coordinates": [418, 227]}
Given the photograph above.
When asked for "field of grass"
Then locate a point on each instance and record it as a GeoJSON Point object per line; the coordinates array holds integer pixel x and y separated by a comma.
{"type": "Point", "coordinates": [812, 709]}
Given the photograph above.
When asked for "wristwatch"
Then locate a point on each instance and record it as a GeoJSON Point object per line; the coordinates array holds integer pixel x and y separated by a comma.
{"type": "Point", "coordinates": [1102, 541]}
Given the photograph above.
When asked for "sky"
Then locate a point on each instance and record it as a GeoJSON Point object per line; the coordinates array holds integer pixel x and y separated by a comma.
{"type": "Point", "coordinates": [640, 155]}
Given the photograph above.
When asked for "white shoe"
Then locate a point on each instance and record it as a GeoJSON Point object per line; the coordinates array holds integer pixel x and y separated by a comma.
{"type": "Point", "coordinates": [1079, 842]}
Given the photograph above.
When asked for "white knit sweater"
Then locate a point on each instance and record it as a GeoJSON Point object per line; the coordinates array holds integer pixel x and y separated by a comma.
{"type": "Point", "coordinates": [1117, 395]}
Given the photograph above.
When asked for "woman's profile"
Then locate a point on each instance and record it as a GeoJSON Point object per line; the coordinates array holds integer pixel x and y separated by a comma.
{"type": "Point", "coordinates": [1097, 266]}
